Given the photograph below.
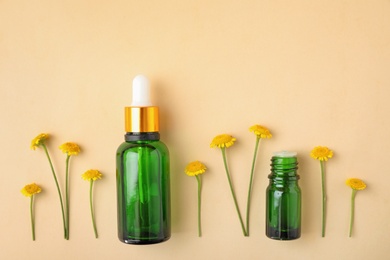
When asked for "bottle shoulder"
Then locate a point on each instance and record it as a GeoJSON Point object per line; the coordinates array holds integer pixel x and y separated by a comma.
{"type": "Point", "coordinates": [155, 144]}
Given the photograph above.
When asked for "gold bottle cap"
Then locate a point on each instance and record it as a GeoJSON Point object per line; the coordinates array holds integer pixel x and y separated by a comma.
{"type": "Point", "coordinates": [141, 119]}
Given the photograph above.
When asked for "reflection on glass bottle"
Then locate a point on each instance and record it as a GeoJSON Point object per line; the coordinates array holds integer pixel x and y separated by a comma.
{"type": "Point", "coordinates": [283, 198]}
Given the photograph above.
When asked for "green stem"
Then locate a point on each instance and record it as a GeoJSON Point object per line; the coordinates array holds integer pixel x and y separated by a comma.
{"type": "Point", "coordinates": [67, 195]}
{"type": "Point", "coordinates": [58, 189]}
{"type": "Point", "coordinates": [32, 217]}
{"type": "Point", "coordinates": [91, 206]}
{"type": "Point", "coordinates": [199, 205]}
{"type": "Point", "coordinates": [323, 197]}
{"type": "Point", "coordinates": [231, 189]}
{"type": "Point", "coordinates": [352, 211]}
{"type": "Point", "coordinates": [250, 184]}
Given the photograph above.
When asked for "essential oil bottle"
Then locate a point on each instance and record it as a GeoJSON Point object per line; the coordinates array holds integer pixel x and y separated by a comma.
{"type": "Point", "coordinates": [142, 173]}
{"type": "Point", "coordinates": [283, 198]}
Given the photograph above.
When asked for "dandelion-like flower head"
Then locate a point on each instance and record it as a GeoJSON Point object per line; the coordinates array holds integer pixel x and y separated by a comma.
{"type": "Point", "coordinates": [195, 168]}
{"type": "Point", "coordinates": [70, 148]}
{"type": "Point", "coordinates": [223, 140]}
{"type": "Point", "coordinates": [31, 189]}
{"type": "Point", "coordinates": [91, 175]}
{"type": "Point", "coordinates": [356, 184]}
{"type": "Point", "coordinates": [321, 153]}
{"type": "Point", "coordinates": [260, 131]}
{"type": "Point", "coordinates": [39, 140]}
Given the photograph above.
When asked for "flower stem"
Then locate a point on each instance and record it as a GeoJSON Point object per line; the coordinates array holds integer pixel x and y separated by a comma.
{"type": "Point", "coordinates": [58, 189]}
{"type": "Point", "coordinates": [323, 197]}
{"type": "Point", "coordinates": [199, 205]}
{"type": "Point", "coordinates": [67, 195]}
{"type": "Point", "coordinates": [250, 184]}
{"type": "Point", "coordinates": [91, 206]}
{"type": "Point", "coordinates": [231, 189]}
{"type": "Point", "coordinates": [352, 211]}
{"type": "Point", "coordinates": [32, 217]}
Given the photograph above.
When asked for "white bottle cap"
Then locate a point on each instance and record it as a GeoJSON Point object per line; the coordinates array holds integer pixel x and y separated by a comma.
{"type": "Point", "coordinates": [285, 154]}
{"type": "Point", "coordinates": [141, 92]}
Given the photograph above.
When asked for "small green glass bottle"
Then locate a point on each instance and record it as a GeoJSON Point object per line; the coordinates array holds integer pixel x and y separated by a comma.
{"type": "Point", "coordinates": [283, 198]}
{"type": "Point", "coordinates": [143, 177]}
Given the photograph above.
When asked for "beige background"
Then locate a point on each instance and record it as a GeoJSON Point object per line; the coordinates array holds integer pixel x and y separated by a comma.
{"type": "Point", "coordinates": [313, 72]}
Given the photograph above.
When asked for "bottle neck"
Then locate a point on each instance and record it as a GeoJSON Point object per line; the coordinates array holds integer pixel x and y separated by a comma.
{"type": "Point", "coordinates": [284, 169]}
{"type": "Point", "coordinates": [143, 136]}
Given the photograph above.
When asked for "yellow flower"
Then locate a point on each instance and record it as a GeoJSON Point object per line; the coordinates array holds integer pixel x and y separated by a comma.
{"type": "Point", "coordinates": [31, 189]}
{"type": "Point", "coordinates": [195, 168]}
{"type": "Point", "coordinates": [356, 184]}
{"type": "Point", "coordinates": [70, 148]}
{"type": "Point", "coordinates": [321, 153]}
{"type": "Point", "coordinates": [91, 175]}
{"type": "Point", "coordinates": [260, 131]}
{"type": "Point", "coordinates": [39, 140]}
{"type": "Point", "coordinates": [222, 141]}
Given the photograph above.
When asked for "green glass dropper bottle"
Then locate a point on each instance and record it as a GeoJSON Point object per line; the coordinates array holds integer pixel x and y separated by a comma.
{"type": "Point", "coordinates": [142, 173]}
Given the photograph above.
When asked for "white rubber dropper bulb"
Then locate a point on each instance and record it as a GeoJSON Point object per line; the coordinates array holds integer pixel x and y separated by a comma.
{"type": "Point", "coordinates": [141, 92]}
